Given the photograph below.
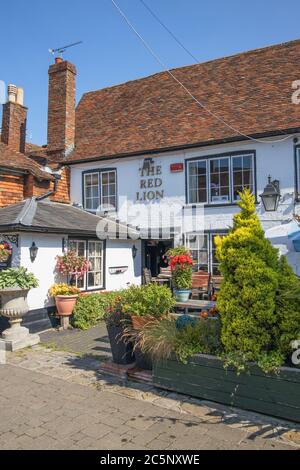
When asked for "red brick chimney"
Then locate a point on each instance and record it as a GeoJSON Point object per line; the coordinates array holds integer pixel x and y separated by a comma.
{"type": "Point", "coordinates": [14, 118]}
{"type": "Point", "coordinates": [61, 107]}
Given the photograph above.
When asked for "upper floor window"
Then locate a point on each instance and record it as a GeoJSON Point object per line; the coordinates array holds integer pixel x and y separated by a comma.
{"type": "Point", "coordinates": [218, 180]}
{"type": "Point", "coordinates": [100, 190]}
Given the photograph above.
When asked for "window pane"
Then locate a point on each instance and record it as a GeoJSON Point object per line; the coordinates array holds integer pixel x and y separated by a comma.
{"type": "Point", "coordinates": [197, 182]}
{"type": "Point", "coordinates": [242, 174]}
{"type": "Point", "coordinates": [112, 177]}
{"type": "Point", "coordinates": [219, 180]}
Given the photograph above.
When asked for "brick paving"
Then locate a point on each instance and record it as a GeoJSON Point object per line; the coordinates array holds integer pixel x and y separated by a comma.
{"type": "Point", "coordinates": [90, 342]}
{"type": "Point", "coordinates": [59, 400]}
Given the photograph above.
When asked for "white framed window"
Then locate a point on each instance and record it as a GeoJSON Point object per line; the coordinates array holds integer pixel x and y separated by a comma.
{"type": "Point", "coordinates": [95, 257]}
{"type": "Point", "coordinates": [108, 190]}
{"type": "Point", "coordinates": [91, 191]}
{"type": "Point", "coordinates": [93, 251]}
{"type": "Point", "coordinates": [219, 179]}
{"type": "Point", "coordinates": [198, 187]}
{"type": "Point", "coordinates": [100, 190]}
{"type": "Point", "coordinates": [203, 249]}
{"type": "Point", "coordinates": [242, 174]}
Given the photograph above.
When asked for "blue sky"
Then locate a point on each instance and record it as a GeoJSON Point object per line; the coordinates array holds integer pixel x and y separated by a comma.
{"type": "Point", "coordinates": [112, 54]}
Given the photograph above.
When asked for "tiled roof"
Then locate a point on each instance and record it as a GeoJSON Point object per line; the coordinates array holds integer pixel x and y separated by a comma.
{"type": "Point", "coordinates": [10, 159]}
{"type": "Point", "coordinates": [47, 216]}
{"type": "Point", "coordinates": [251, 91]}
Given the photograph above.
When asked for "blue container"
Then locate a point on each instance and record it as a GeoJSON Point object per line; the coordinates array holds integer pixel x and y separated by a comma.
{"type": "Point", "coordinates": [182, 295]}
{"type": "Point", "coordinates": [296, 244]}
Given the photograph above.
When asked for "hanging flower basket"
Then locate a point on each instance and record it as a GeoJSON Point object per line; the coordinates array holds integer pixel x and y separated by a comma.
{"type": "Point", "coordinates": [5, 251]}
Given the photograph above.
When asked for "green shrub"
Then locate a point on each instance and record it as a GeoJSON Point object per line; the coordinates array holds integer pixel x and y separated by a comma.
{"type": "Point", "coordinates": [151, 300]}
{"type": "Point", "coordinates": [201, 338]}
{"type": "Point", "coordinates": [17, 277]}
{"type": "Point", "coordinates": [91, 308]}
{"type": "Point", "coordinates": [258, 316]}
{"type": "Point", "coordinates": [160, 338]}
{"type": "Point", "coordinates": [287, 307]}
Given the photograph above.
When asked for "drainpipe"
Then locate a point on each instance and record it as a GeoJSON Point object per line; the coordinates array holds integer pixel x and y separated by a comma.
{"type": "Point", "coordinates": [57, 177]}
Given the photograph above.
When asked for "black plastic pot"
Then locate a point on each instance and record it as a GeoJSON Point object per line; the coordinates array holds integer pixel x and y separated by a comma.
{"type": "Point", "coordinates": [122, 352]}
{"type": "Point", "coordinates": [142, 360]}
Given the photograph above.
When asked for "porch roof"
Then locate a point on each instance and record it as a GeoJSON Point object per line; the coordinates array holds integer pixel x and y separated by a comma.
{"type": "Point", "coordinates": [33, 215]}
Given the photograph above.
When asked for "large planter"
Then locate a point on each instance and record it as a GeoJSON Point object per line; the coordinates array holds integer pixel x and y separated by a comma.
{"type": "Point", "coordinates": [205, 377]}
{"type": "Point", "coordinates": [142, 361]}
{"type": "Point", "coordinates": [182, 295]}
{"type": "Point", "coordinates": [122, 352]}
{"type": "Point", "coordinates": [65, 304]}
{"type": "Point", "coordinates": [14, 306]}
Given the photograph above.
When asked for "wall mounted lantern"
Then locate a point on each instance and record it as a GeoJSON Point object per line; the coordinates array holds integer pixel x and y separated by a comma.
{"type": "Point", "coordinates": [271, 195]}
{"type": "Point", "coordinates": [134, 251]}
{"type": "Point", "coordinates": [33, 250]}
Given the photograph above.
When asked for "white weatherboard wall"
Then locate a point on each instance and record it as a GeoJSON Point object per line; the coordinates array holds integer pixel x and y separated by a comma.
{"type": "Point", "coordinates": [43, 267]}
{"type": "Point", "coordinates": [119, 253]}
{"type": "Point", "coordinates": [275, 159]}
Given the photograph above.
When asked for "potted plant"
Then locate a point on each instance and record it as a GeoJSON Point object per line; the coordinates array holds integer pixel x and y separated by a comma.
{"type": "Point", "coordinates": [182, 269]}
{"type": "Point", "coordinates": [116, 321]}
{"type": "Point", "coordinates": [145, 302]}
{"type": "Point", "coordinates": [65, 298]}
{"type": "Point", "coordinates": [15, 284]}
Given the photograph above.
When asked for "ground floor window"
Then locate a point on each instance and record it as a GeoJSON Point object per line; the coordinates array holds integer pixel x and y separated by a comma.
{"type": "Point", "coordinates": [203, 249]}
{"type": "Point", "coordinates": [92, 250]}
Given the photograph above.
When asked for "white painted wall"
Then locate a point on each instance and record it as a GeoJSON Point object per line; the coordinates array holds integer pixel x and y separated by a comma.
{"type": "Point", "coordinates": [43, 267]}
{"type": "Point", "coordinates": [119, 253]}
{"type": "Point", "coordinates": [275, 159]}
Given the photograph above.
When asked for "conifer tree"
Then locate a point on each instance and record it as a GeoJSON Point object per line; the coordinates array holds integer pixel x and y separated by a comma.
{"type": "Point", "coordinates": [247, 299]}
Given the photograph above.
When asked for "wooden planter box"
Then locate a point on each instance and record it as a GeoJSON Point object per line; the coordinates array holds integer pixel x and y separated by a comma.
{"type": "Point", "coordinates": [204, 377]}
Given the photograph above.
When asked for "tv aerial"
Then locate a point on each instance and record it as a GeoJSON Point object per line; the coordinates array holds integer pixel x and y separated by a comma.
{"type": "Point", "coordinates": [61, 50]}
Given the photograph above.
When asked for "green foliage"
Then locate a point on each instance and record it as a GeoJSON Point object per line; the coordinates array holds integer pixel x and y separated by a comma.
{"type": "Point", "coordinates": [258, 316]}
{"type": "Point", "coordinates": [157, 338]}
{"type": "Point", "coordinates": [17, 277]}
{"type": "Point", "coordinates": [201, 338]}
{"type": "Point", "coordinates": [151, 300]}
{"type": "Point", "coordinates": [182, 277]}
{"type": "Point", "coordinates": [91, 308]}
{"type": "Point", "coordinates": [178, 251]}
{"type": "Point", "coordinates": [287, 307]}
{"type": "Point", "coordinates": [160, 338]}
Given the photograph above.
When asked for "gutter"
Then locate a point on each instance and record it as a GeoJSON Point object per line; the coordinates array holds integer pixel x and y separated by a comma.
{"type": "Point", "coordinates": [57, 178]}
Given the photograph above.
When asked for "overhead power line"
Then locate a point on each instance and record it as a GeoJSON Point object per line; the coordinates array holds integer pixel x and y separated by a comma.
{"type": "Point", "coordinates": [169, 31]}
{"type": "Point", "coordinates": [167, 70]}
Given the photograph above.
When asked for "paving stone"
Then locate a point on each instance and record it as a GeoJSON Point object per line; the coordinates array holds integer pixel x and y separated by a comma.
{"type": "Point", "coordinates": [65, 410]}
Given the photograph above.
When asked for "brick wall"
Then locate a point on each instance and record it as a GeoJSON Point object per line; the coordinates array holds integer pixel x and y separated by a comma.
{"type": "Point", "coordinates": [11, 189]}
{"type": "Point", "coordinates": [61, 106]}
{"type": "Point", "coordinates": [34, 187]}
{"type": "Point", "coordinates": [14, 126]}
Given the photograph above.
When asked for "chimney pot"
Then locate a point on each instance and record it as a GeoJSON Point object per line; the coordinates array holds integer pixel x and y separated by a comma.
{"type": "Point", "coordinates": [12, 93]}
{"type": "Point", "coordinates": [20, 96]}
{"type": "Point", "coordinates": [58, 60]}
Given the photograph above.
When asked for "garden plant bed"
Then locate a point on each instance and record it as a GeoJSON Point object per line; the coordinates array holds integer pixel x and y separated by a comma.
{"type": "Point", "coordinates": [205, 377]}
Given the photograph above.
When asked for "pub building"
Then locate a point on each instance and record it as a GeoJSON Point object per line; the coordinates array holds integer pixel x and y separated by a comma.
{"type": "Point", "coordinates": [121, 170]}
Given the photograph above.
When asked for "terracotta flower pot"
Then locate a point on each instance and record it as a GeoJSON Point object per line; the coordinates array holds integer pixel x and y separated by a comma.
{"type": "Point", "coordinates": [65, 304]}
{"type": "Point", "coordinates": [139, 322]}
